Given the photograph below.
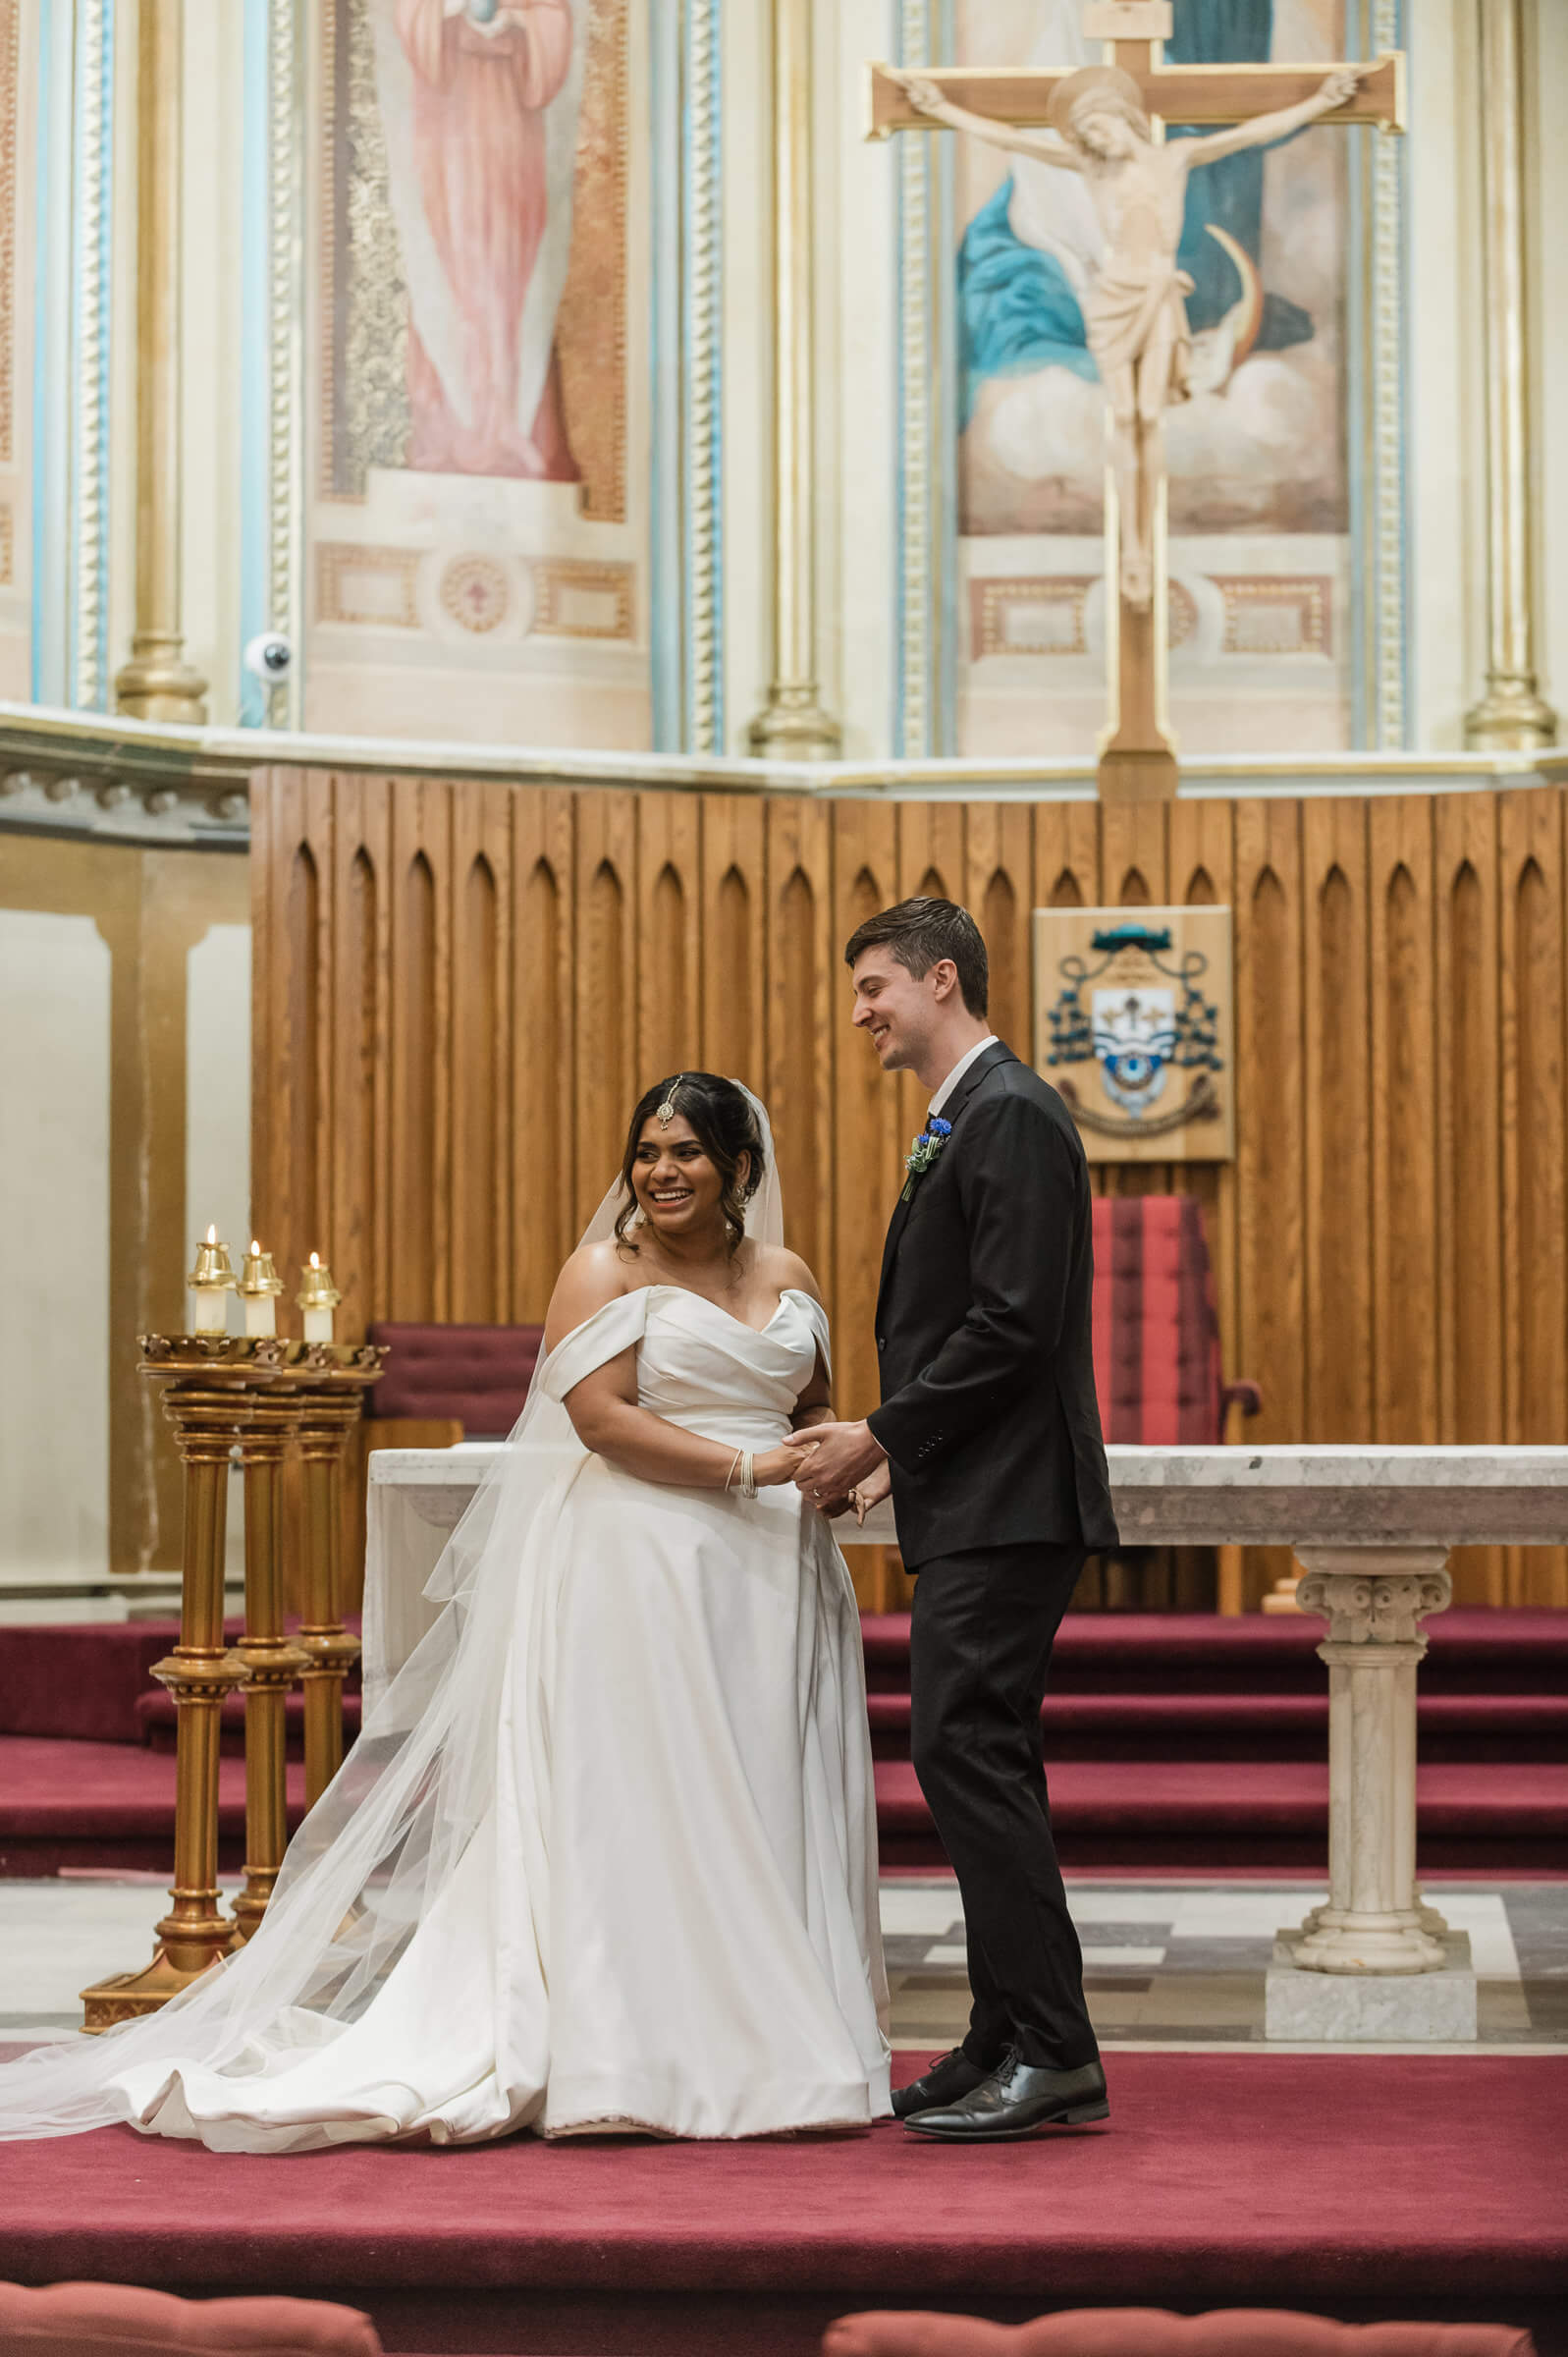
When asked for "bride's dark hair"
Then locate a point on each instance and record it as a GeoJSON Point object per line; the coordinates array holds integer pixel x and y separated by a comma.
{"type": "Point", "coordinates": [724, 1125]}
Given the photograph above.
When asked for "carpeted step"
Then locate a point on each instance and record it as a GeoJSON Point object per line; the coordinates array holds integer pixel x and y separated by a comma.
{"type": "Point", "coordinates": [1201, 1813]}
{"type": "Point", "coordinates": [66, 1803]}
{"type": "Point", "coordinates": [1405, 2185]}
{"type": "Point", "coordinates": [73, 1804]}
{"type": "Point", "coordinates": [79, 1679]}
{"type": "Point", "coordinates": [156, 1711]}
{"type": "Point", "coordinates": [1453, 1727]}
{"type": "Point", "coordinates": [1473, 1651]}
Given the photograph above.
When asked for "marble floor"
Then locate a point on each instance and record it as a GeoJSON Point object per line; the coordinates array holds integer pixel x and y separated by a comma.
{"type": "Point", "coordinates": [1177, 1964]}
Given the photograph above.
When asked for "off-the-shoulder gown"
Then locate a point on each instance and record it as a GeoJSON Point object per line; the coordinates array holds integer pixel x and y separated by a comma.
{"type": "Point", "coordinates": [667, 1917]}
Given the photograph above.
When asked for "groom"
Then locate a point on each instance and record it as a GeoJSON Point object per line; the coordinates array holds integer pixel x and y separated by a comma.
{"type": "Point", "coordinates": [989, 1438]}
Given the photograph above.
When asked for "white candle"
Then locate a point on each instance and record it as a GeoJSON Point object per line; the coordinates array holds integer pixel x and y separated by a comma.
{"type": "Point", "coordinates": [318, 1297]}
{"type": "Point", "coordinates": [212, 1309]}
{"type": "Point", "coordinates": [259, 1287]}
{"type": "Point", "coordinates": [210, 1280]}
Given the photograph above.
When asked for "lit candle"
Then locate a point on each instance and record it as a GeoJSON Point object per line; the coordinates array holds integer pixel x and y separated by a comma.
{"type": "Point", "coordinates": [318, 1297]}
{"type": "Point", "coordinates": [258, 1287]}
{"type": "Point", "coordinates": [210, 1282]}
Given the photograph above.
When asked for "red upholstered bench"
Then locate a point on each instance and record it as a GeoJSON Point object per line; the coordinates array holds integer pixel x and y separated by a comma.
{"type": "Point", "coordinates": [476, 1376]}
{"type": "Point", "coordinates": [119, 2320]}
{"type": "Point", "coordinates": [1159, 2333]}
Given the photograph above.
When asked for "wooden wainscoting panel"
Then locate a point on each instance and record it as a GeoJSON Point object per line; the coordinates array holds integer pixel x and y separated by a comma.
{"type": "Point", "coordinates": [733, 1033]}
{"type": "Point", "coordinates": [604, 983]}
{"type": "Point", "coordinates": [1534, 1140]}
{"type": "Point", "coordinates": [1403, 1034]}
{"type": "Point", "coordinates": [1269, 1125]}
{"type": "Point", "coordinates": [1337, 1121]}
{"type": "Point", "coordinates": [1469, 1299]}
{"type": "Point", "coordinates": [668, 973]}
{"type": "Point", "coordinates": [807, 1002]}
{"type": "Point", "coordinates": [543, 1141]}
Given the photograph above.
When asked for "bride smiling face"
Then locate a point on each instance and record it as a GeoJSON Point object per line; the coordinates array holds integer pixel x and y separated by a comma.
{"type": "Point", "coordinates": [692, 1162]}
{"type": "Point", "coordinates": [677, 1185]}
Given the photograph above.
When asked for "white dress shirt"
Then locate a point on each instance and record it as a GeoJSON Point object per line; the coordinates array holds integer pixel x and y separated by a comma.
{"type": "Point", "coordinates": [958, 1071]}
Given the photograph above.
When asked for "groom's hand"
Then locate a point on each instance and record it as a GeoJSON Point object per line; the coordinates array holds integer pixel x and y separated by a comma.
{"type": "Point", "coordinates": [842, 1456]}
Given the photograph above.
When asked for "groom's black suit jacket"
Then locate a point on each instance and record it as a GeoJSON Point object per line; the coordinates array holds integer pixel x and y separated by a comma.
{"type": "Point", "coordinates": [983, 1330]}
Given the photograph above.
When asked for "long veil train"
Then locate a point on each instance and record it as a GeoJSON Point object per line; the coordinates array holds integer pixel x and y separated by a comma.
{"type": "Point", "coordinates": [385, 1841]}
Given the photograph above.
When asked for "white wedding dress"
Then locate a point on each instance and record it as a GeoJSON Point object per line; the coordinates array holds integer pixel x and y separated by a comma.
{"type": "Point", "coordinates": [605, 1854]}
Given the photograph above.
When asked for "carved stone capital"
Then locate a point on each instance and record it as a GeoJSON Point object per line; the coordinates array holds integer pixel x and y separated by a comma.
{"type": "Point", "coordinates": [1373, 1597]}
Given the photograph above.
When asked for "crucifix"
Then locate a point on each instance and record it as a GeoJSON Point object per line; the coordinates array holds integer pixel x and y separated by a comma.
{"type": "Point", "coordinates": [1107, 122]}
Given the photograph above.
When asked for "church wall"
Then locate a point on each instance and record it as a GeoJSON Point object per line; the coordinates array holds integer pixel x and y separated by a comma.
{"type": "Point", "coordinates": [127, 971]}
{"type": "Point", "coordinates": [54, 1247]}
{"type": "Point", "coordinates": [445, 969]}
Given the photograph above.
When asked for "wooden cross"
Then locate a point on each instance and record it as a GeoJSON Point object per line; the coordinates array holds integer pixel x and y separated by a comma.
{"type": "Point", "coordinates": [1137, 753]}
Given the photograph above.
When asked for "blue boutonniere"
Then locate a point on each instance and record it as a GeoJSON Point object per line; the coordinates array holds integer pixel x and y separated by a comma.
{"type": "Point", "coordinates": [924, 1152]}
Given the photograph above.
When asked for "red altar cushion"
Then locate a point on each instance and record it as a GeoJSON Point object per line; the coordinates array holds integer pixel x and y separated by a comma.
{"type": "Point", "coordinates": [119, 2320]}
{"type": "Point", "coordinates": [478, 1374]}
{"type": "Point", "coordinates": [1160, 2332]}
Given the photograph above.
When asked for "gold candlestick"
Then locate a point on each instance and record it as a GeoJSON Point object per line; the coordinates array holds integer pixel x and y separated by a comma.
{"type": "Point", "coordinates": [258, 1289]}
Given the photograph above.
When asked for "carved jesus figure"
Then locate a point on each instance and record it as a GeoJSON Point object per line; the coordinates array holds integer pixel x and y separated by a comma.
{"type": "Point", "coordinates": [1135, 319]}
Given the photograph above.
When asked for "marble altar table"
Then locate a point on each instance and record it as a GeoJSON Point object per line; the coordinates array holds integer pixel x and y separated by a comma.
{"type": "Point", "coordinates": [1369, 1526]}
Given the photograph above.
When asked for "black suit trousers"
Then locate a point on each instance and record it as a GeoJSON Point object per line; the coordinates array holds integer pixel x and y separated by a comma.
{"type": "Point", "coordinates": [984, 1623]}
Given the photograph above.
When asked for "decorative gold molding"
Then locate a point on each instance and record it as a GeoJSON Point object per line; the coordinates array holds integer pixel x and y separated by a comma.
{"type": "Point", "coordinates": [10, 61]}
{"type": "Point", "coordinates": [792, 724]}
{"type": "Point", "coordinates": [157, 682]}
{"type": "Point", "coordinates": [1302, 603]}
{"type": "Point", "coordinates": [1511, 713]}
{"type": "Point", "coordinates": [576, 599]}
{"type": "Point", "coordinates": [340, 564]}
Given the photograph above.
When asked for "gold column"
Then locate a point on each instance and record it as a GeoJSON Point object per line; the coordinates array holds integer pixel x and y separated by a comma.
{"type": "Point", "coordinates": [272, 1663]}
{"type": "Point", "coordinates": [793, 726]}
{"type": "Point", "coordinates": [325, 1425]}
{"type": "Point", "coordinates": [157, 684]}
{"type": "Point", "coordinates": [1511, 716]}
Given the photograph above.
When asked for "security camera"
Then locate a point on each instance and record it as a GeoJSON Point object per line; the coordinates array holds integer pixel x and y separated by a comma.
{"type": "Point", "coordinates": [269, 658]}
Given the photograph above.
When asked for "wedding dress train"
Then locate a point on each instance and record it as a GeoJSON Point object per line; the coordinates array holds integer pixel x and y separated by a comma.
{"type": "Point", "coordinates": [605, 1854]}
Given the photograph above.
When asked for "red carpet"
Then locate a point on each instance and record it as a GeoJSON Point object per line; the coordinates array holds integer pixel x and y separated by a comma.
{"type": "Point", "coordinates": [1352, 2185]}
{"type": "Point", "coordinates": [1177, 1742]}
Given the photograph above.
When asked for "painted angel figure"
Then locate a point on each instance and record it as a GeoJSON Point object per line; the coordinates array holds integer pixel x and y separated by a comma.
{"type": "Point", "coordinates": [479, 102]}
{"type": "Point", "coordinates": [1135, 317]}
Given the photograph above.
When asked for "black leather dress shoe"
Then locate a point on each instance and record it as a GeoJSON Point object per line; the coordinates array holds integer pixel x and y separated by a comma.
{"type": "Point", "coordinates": [944, 2083]}
{"type": "Point", "coordinates": [1017, 2100]}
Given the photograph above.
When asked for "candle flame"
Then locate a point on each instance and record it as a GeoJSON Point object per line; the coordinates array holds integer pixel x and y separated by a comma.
{"type": "Point", "coordinates": [255, 1249]}
{"type": "Point", "coordinates": [212, 1234]}
{"type": "Point", "coordinates": [316, 1260]}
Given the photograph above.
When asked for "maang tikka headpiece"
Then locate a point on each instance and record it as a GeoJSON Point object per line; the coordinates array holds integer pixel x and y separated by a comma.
{"type": "Point", "coordinates": [664, 1114]}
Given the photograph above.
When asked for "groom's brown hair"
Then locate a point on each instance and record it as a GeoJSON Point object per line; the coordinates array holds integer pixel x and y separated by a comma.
{"type": "Point", "coordinates": [920, 933]}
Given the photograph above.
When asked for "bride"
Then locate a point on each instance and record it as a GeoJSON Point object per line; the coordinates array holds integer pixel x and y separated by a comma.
{"type": "Point", "coordinates": [604, 1856]}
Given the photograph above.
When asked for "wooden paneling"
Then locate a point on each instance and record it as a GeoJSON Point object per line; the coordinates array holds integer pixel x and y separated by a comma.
{"type": "Point", "coordinates": [461, 989]}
